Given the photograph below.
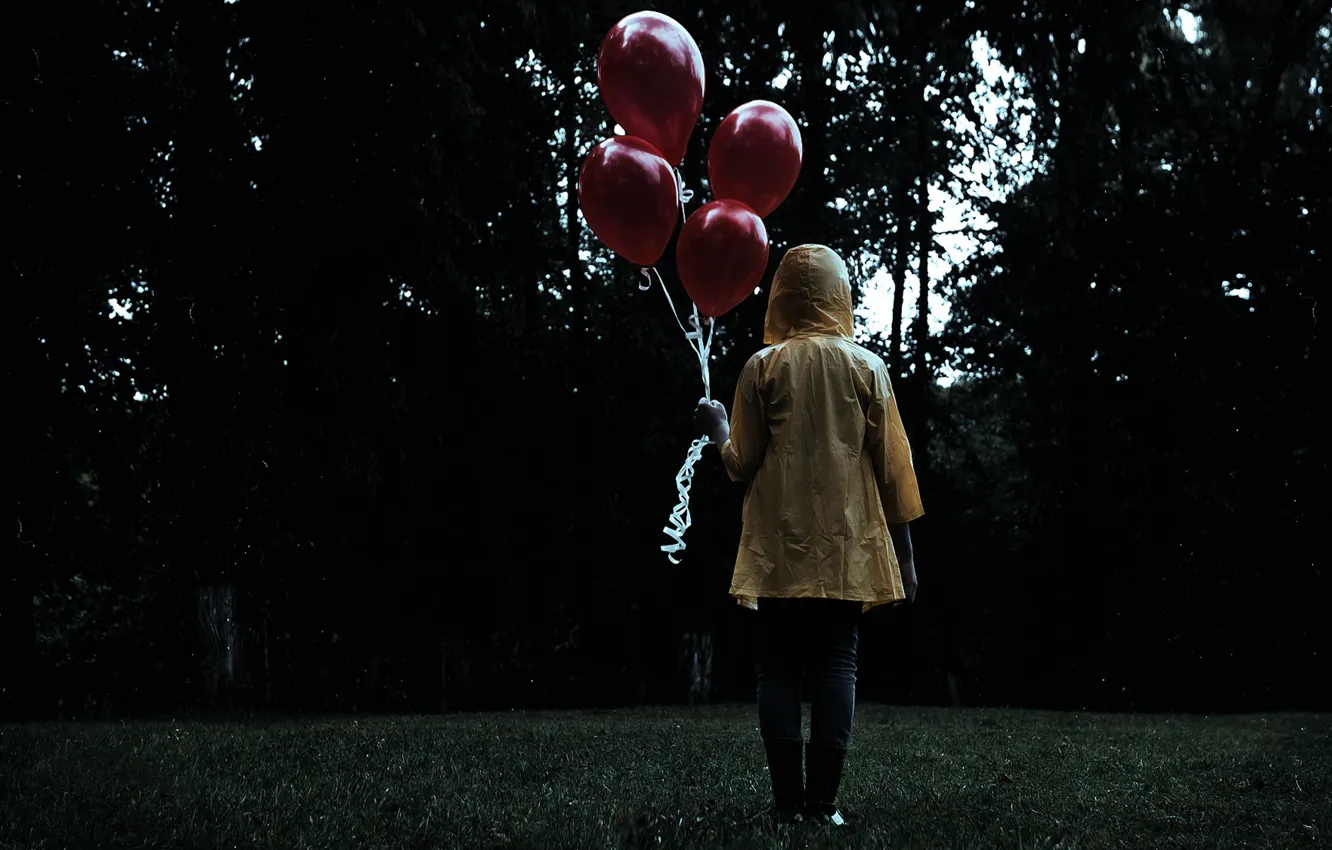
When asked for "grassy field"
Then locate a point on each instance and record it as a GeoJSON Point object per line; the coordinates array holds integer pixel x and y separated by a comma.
{"type": "Point", "coordinates": [666, 778]}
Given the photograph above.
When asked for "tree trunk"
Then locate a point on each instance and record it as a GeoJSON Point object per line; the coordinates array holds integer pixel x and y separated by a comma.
{"type": "Point", "coordinates": [456, 672]}
{"type": "Point", "coordinates": [901, 265]}
{"type": "Point", "coordinates": [816, 97]}
{"type": "Point", "coordinates": [18, 644]}
{"type": "Point", "coordinates": [189, 304]}
{"type": "Point", "coordinates": [35, 495]}
{"type": "Point", "coordinates": [1085, 82]}
{"type": "Point", "coordinates": [920, 330]}
{"type": "Point", "coordinates": [696, 666]}
{"type": "Point", "coordinates": [917, 417]}
{"type": "Point", "coordinates": [219, 665]}
{"type": "Point", "coordinates": [268, 664]}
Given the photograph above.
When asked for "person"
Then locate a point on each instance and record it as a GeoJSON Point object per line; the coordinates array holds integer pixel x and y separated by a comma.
{"type": "Point", "coordinates": [816, 434]}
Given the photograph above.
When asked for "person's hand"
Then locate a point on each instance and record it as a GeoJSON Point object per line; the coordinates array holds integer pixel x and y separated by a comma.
{"type": "Point", "coordinates": [710, 419]}
{"type": "Point", "coordinates": [908, 567]}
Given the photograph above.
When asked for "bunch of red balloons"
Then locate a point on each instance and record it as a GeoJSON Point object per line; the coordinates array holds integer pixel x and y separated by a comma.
{"type": "Point", "coordinates": [650, 73]}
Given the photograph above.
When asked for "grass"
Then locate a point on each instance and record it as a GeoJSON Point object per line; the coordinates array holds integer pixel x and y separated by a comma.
{"type": "Point", "coordinates": [666, 778]}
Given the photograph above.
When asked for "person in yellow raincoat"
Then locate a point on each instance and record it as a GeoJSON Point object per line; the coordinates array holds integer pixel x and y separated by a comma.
{"type": "Point", "coordinates": [816, 434]}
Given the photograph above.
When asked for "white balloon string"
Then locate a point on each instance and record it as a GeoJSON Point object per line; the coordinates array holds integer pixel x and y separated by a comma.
{"type": "Point", "coordinates": [701, 344]}
{"type": "Point", "coordinates": [671, 303]}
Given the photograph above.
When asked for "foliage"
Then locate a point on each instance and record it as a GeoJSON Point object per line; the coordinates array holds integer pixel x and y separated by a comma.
{"type": "Point", "coordinates": [306, 307]}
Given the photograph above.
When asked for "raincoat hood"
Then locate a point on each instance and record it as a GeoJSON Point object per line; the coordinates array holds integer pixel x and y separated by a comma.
{"type": "Point", "coordinates": [810, 295]}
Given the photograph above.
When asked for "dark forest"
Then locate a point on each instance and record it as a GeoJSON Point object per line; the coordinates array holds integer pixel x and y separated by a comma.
{"type": "Point", "coordinates": [328, 400]}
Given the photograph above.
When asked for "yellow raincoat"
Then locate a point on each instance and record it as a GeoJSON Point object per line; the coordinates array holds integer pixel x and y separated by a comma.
{"type": "Point", "coordinates": [816, 433]}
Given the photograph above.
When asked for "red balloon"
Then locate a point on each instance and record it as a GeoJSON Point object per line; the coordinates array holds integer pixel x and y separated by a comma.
{"type": "Point", "coordinates": [651, 76]}
{"type": "Point", "coordinates": [755, 156]}
{"type": "Point", "coordinates": [630, 199]}
{"type": "Point", "coordinates": [721, 255]}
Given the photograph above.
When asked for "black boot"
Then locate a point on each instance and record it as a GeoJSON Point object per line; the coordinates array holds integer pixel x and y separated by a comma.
{"type": "Point", "coordinates": [823, 776]}
{"type": "Point", "coordinates": [788, 788]}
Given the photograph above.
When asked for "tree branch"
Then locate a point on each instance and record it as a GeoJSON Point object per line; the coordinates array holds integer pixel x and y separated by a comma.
{"type": "Point", "coordinates": [966, 230]}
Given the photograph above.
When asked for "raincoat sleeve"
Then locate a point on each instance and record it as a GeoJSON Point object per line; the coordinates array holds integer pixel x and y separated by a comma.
{"type": "Point", "coordinates": [886, 440]}
{"type": "Point", "coordinates": [743, 452]}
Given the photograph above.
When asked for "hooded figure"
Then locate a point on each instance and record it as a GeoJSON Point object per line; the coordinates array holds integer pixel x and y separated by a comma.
{"type": "Point", "coordinates": [816, 434]}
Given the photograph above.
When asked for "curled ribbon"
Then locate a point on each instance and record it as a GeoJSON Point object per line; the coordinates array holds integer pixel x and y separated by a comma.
{"type": "Point", "coordinates": [701, 344]}
{"type": "Point", "coordinates": [680, 520]}
{"type": "Point", "coordinates": [686, 195]}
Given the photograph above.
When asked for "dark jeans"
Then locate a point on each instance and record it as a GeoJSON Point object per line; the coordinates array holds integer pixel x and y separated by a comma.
{"type": "Point", "coordinates": [816, 638]}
